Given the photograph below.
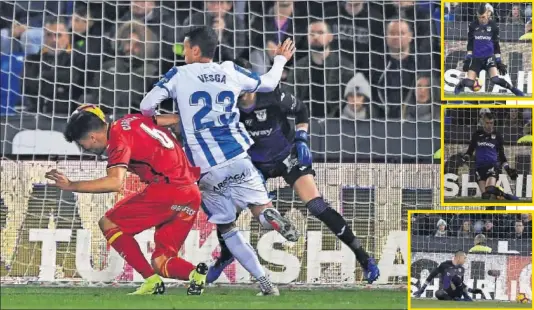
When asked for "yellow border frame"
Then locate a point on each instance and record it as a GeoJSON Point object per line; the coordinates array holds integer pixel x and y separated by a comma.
{"type": "Point", "coordinates": [442, 57]}
{"type": "Point", "coordinates": [442, 160]}
{"type": "Point", "coordinates": [409, 251]}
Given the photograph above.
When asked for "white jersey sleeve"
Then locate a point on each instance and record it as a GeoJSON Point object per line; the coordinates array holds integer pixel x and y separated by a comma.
{"type": "Point", "coordinates": [163, 89]}
{"type": "Point", "coordinates": [251, 82]}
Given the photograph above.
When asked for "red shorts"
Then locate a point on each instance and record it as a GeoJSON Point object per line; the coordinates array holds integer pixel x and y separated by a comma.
{"type": "Point", "coordinates": [171, 209]}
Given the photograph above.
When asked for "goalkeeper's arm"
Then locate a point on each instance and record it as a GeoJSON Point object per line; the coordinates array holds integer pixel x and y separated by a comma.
{"type": "Point", "coordinates": [429, 279]}
{"type": "Point", "coordinates": [471, 148]}
{"type": "Point", "coordinates": [160, 92]}
{"type": "Point", "coordinates": [512, 173]}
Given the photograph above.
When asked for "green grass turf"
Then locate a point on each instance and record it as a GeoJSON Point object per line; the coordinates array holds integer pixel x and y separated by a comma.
{"type": "Point", "coordinates": [451, 95]}
{"type": "Point", "coordinates": [484, 304]}
{"type": "Point", "coordinates": [480, 200]}
{"type": "Point", "coordinates": [27, 297]}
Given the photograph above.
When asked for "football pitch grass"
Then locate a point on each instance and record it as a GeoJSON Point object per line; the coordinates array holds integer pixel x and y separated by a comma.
{"type": "Point", "coordinates": [484, 304]}
{"type": "Point", "coordinates": [32, 297]}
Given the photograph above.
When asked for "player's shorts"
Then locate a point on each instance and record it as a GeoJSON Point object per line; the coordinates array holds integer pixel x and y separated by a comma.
{"type": "Point", "coordinates": [479, 64]}
{"type": "Point", "coordinates": [289, 169]}
{"type": "Point", "coordinates": [170, 209]}
{"type": "Point", "coordinates": [483, 173]}
{"type": "Point", "coordinates": [230, 189]}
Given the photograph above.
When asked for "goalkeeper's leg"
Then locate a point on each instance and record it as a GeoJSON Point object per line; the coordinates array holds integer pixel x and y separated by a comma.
{"type": "Point", "coordinates": [467, 82]}
{"type": "Point", "coordinates": [495, 79]}
{"type": "Point", "coordinates": [307, 190]}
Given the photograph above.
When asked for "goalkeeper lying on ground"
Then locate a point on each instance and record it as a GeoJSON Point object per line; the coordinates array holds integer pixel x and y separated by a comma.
{"type": "Point", "coordinates": [452, 286]}
{"type": "Point", "coordinates": [484, 53]}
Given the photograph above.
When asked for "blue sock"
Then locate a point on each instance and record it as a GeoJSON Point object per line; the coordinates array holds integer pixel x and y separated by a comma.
{"type": "Point", "coordinates": [244, 253]}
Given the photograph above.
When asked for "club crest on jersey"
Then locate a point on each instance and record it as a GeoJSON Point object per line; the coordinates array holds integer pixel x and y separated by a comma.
{"type": "Point", "coordinates": [261, 115]}
{"type": "Point", "coordinates": [488, 29]}
{"type": "Point", "coordinates": [493, 136]}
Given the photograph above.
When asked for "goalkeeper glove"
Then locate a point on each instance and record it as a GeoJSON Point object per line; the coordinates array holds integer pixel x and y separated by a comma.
{"type": "Point", "coordinates": [420, 291]}
{"type": "Point", "coordinates": [475, 291]}
{"type": "Point", "coordinates": [502, 68]}
{"type": "Point", "coordinates": [512, 173]}
{"type": "Point", "coordinates": [467, 62]}
{"type": "Point", "coordinates": [303, 151]}
{"type": "Point", "coordinates": [465, 158]}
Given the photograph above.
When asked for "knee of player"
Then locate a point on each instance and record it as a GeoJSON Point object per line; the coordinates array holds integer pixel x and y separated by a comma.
{"type": "Point", "coordinates": [224, 228]}
{"type": "Point", "coordinates": [317, 206]}
{"type": "Point", "coordinates": [106, 224]}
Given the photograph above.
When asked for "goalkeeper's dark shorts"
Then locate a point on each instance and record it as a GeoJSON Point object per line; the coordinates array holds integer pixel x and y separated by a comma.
{"type": "Point", "coordinates": [479, 64]}
{"type": "Point", "coordinates": [288, 168]}
{"type": "Point", "coordinates": [485, 172]}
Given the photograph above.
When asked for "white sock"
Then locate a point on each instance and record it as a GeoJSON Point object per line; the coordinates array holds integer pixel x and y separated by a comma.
{"type": "Point", "coordinates": [244, 253]}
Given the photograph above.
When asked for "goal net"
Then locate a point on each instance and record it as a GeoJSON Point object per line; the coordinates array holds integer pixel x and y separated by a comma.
{"type": "Point", "coordinates": [374, 158]}
{"type": "Point", "coordinates": [498, 248]}
{"type": "Point", "coordinates": [514, 124]}
{"type": "Point", "coordinates": [516, 52]}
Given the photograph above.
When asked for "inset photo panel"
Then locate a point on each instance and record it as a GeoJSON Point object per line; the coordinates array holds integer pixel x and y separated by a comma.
{"type": "Point", "coordinates": [469, 259]}
{"type": "Point", "coordinates": [486, 50]}
{"type": "Point", "coordinates": [486, 155]}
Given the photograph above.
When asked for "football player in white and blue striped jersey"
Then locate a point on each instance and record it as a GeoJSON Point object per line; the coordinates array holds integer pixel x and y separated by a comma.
{"type": "Point", "coordinates": [205, 94]}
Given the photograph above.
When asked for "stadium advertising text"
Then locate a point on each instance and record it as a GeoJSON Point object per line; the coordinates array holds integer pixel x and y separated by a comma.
{"type": "Point", "coordinates": [460, 185]}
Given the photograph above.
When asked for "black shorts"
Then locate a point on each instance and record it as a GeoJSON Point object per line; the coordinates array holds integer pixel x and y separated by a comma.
{"type": "Point", "coordinates": [483, 173]}
{"type": "Point", "coordinates": [289, 169]}
{"type": "Point", "coordinates": [479, 64]}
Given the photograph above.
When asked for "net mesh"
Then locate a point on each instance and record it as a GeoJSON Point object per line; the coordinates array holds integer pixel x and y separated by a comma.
{"type": "Point", "coordinates": [373, 131]}
{"type": "Point", "coordinates": [502, 275]}
{"type": "Point", "coordinates": [516, 50]}
{"type": "Point", "coordinates": [460, 178]}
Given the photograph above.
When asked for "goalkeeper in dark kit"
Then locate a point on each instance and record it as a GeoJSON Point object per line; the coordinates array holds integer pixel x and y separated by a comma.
{"type": "Point", "coordinates": [484, 53]}
{"type": "Point", "coordinates": [452, 286]}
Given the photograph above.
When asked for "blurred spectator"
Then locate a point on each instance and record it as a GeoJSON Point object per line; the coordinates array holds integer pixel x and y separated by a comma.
{"type": "Point", "coordinates": [519, 231]}
{"type": "Point", "coordinates": [528, 31]}
{"type": "Point", "coordinates": [399, 77]}
{"type": "Point", "coordinates": [124, 80]}
{"type": "Point", "coordinates": [466, 230]}
{"type": "Point", "coordinates": [278, 24]}
{"type": "Point", "coordinates": [357, 94]}
{"type": "Point", "coordinates": [480, 245]}
{"type": "Point", "coordinates": [489, 230]}
{"type": "Point", "coordinates": [359, 31]}
{"type": "Point", "coordinates": [231, 35]}
{"type": "Point", "coordinates": [423, 225]}
{"type": "Point", "coordinates": [161, 24]}
{"type": "Point", "coordinates": [53, 76]}
{"type": "Point", "coordinates": [323, 71]}
{"type": "Point", "coordinates": [527, 222]}
{"type": "Point", "coordinates": [513, 124]}
{"type": "Point", "coordinates": [442, 229]}
{"type": "Point", "coordinates": [427, 105]}
{"type": "Point", "coordinates": [516, 16]}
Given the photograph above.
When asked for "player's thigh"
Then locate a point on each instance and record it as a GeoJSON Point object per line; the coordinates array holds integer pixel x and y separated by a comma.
{"type": "Point", "coordinates": [251, 190]}
{"type": "Point", "coordinates": [491, 181]}
{"type": "Point", "coordinates": [170, 236]}
{"type": "Point", "coordinates": [482, 186]}
{"type": "Point", "coordinates": [475, 66]}
{"type": "Point", "coordinates": [493, 72]}
{"type": "Point", "coordinates": [216, 200]}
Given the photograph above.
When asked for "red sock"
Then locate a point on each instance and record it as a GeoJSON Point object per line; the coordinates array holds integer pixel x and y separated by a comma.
{"type": "Point", "coordinates": [177, 268]}
{"type": "Point", "coordinates": [129, 249]}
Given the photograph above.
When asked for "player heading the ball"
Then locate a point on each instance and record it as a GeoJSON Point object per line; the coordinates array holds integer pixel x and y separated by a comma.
{"type": "Point", "coordinates": [488, 146]}
{"type": "Point", "coordinates": [206, 94]}
{"type": "Point", "coordinates": [484, 53]}
{"type": "Point", "coordinates": [451, 284]}
{"type": "Point", "coordinates": [170, 202]}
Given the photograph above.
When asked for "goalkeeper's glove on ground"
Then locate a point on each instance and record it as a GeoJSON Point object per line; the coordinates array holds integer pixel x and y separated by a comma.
{"type": "Point", "coordinates": [420, 291]}
{"type": "Point", "coordinates": [465, 158]}
{"type": "Point", "coordinates": [303, 151]}
{"type": "Point", "coordinates": [500, 66]}
{"type": "Point", "coordinates": [474, 291]}
{"type": "Point", "coordinates": [512, 173]}
{"type": "Point", "coordinates": [467, 62]}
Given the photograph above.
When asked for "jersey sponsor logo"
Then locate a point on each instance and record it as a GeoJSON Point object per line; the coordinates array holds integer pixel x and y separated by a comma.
{"type": "Point", "coordinates": [184, 209]}
{"type": "Point", "coordinates": [482, 38]}
{"type": "Point", "coordinates": [219, 78]}
{"type": "Point", "coordinates": [259, 133]}
{"type": "Point", "coordinates": [488, 144]}
{"type": "Point", "coordinates": [261, 115]}
{"type": "Point", "coordinates": [233, 179]}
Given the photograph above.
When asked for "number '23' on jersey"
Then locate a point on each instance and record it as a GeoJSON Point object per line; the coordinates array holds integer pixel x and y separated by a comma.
{"type": "Point", "coordinates": [206, 95]}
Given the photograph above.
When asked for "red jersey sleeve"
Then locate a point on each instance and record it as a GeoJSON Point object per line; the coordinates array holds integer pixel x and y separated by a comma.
{"type": "Point", "coordinates": [119, 151]}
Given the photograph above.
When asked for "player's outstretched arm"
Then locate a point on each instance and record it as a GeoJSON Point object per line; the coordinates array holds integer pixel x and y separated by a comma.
{"type": "Point", "coordinates": [162, 90]}
{"type": "Point", "coordinates": [470, 43]}
{"type": "Point", "coordinates": [429, 279]}
{"type": "Point", "coordinates": [512, 173]}
{"type": "Point", "coordinates": [108, 184]}
{"type": "Point", "coordinates": [166, 120]}
{"type": "Point", "coordinates": [269, 81]}
{"type": "Point", "coordinates": [471, 148]}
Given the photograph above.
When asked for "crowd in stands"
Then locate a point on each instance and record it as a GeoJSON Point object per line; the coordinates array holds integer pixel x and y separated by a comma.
{"type": "Point", "coordinates": [500, 226]}
{"type": "Point", "coordinates": [111, 52]}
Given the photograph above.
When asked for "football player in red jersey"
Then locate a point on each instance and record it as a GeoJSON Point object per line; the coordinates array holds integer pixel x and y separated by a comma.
{"type": "Point", "coordinates": [169, 203]}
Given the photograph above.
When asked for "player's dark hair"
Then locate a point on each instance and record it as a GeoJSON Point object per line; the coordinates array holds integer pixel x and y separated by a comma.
{"type": "Point", "coordinates": [205, 38]}
{"type": "Point", "coordinates": [242, 62]}
{"type": "Point", "coordinates": [482, 9]}
{"type": "Point", "coordinates": [80, 124]}
{"type": "Point", "coordinates": [489, 116]}
{"type": "Point", "coordinates": [81, 10]}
